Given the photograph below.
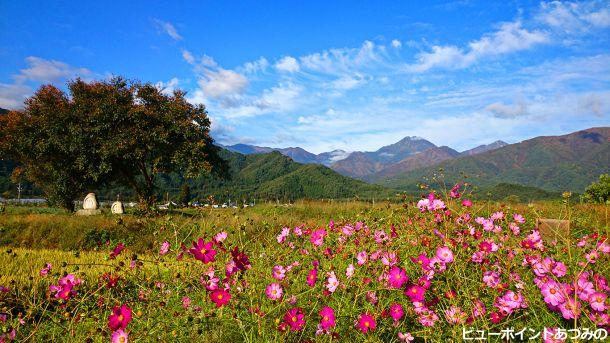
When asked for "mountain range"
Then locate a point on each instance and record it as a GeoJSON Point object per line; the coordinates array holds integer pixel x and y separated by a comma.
{"type": "Point", "coordinates": [554, 163]}
{"type": "Point", "coordinates": [407, 154]}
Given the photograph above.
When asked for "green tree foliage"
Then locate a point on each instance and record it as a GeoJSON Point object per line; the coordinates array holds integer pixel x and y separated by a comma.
{"type": "Point", "coordinates": [598, 192]}
{"type": "Point", "coordinates": [185, 194]}
{"type": "Point", "coordinates": [107, 132]}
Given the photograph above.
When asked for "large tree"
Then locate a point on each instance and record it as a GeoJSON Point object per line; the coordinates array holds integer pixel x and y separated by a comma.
{"type": "Point", "coordinates": [107, 131]}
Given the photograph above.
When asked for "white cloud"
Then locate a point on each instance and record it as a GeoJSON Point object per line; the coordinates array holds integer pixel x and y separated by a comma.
{"type": "Point", "coordinates": [502, 110]}
{"type": "Point", "coordinates": [396, 43]}
{"type": "Point", "coordinates": [591, 103]}
{"type": "Point", "coordinates": [287, 64]}
{"type": "Point", "coordinates": [347, 82]}
{"type": "Point", "coordinates": [256, 66]}
{"type": "Point", "coordinates": [42, 70]}
{"type": "Point", "coordinates": [188, 57]}
{"type": "Point", "coordinates": [168, 87]}
{"type": "Point", "coordinates": [168, 28]}
{"type": "Point", "coordinates": [222, 83]}
{"type": "Point", "coordinates": [13, 95]}
{"type": "Point", "coordinates": [38, 70]}
{"type": "Point", "coordinates": [575, 17]}
{"type": "Point", "coordinates": [343, 60]}
{"type": "Point", "coordinates": [509, 38]}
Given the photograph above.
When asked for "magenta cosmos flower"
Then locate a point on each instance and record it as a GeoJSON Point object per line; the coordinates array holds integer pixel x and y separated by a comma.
{"type": "Point", "coordinates": [295, 319]}
{"type": "Point", "coordinates": [274, 291]}
{"type": "Point", "coordinates": [312, 277]}
{"type": "Point", "coordinates": [220, 297]}
{"type": "Point", "coordinates": [366, 323]}
{"type": "Point", "coordinates": [415, 293]}
{"type": "Point", "coordinates": [119, 336]}
{"type": "Point", "coordinates": [396, 311]}
{"type": "Point", "coordinates": [327, 320]}
{"type": "Point", "coordinates": [203, 251]}
{"type": "Point", "coordinates": [119, 318]}
{"type": "Point", "coordinates": [397, 277]}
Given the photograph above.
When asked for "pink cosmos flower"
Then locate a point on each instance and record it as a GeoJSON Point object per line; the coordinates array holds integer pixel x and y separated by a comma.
{"type": "Point", "coordinates": [381, 236]}
{"type": "Point", "coordinates": [203, 251]}
{"type": "Point", "coordinates": [220, 297]}
{"type": "Point", "coordinates": [466, 203]}
{"type": "Point", "coordinates": [278, 272]}
{"type": "Point", "coordinates": [396, 312]}
{"type": "Point", "coordinates": [455, 315]}
{"type": "Point", "coordinates": [220, 237]}
{"type": "Point", "coordinates": [119, 318]}
{"type": "Point", "coordinates": [552, 293]}
{"type": "Point", "coordinates": [570, 309]}
{"type": "Point", "coordinates": [518, 218]}
{"type": "Point", "coordinates": [332, 282]}
{"type": "Point", "coordinates": [397, 277]}
{"type": "Point", "coordinates": [444, 254]}
{"type": "Point", "coordinates": [65, 287]}
{"type": "Point", "coordinates": [478, 309]}
{"type": "Point", "coordinates": [295, 319]}
{"type": "Point", "coordinates": [422, 260]}
{"type": "Point", "coordinates": [362, 257]}
{"type": "Point", "coordinates": [45, 271]}
{"type": "Point", "coordinates": [186, 302]}
{"type": "Point", "coordinates": [366, 323]}
{"type": "Point", "coordinates": [274, 291]}
{"type": "Point", "coordinates": [427, 317]}
{"type": "Point", "coordinates": [405, 337]}
{"type": "Point", "coordinates": [281, 238]}
{"type": "Point", "coordinates": [119, 336]}
{"type": "Point", "coordinates": [327, 320]}
{"type": "Point", "coordinates": [552, 335]}
{"type": "Point", "coordinates": [317, 237]}
{"type": "Point", "coordinates": [597, 301]}
{"type": "Point", "coordinates": [164, 249]}
{"type": "Point", "coordinates": [312, 277]}
{"type": "Point", "coordinates": [349, 272]}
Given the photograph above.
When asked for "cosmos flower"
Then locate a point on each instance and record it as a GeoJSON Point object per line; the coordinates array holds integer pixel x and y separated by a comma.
{"type": "Point", "coordinates": [362, 257]}
{"type": "Point", "coordinates": [366, 323]}
{"type": "Point", "coordinates": [203, 251]}
{"type": "Point", "coordinates": [164, 249]}
{"type": "Point", "coordinates": [415, 293]}
{"type": "Point", "coordinates": [444, 254]}
{"type": "Point", "coordinates": [117, 250]}
{"type": "Point", "coordinates": [295, 319]}
{"type": "Point", "coordinates": [396, 312]}
{"type": "Point", "coordinates": [274, 291]}
{"type": "Point", "coordinates": [332, 282]}
{"type": "Point", "coordinates": [552, 293]}
{"type": "Point", "coordinates": [220, 297]}
{"type": "Point", "coordinates": [119, 336]}
{"type": "Point", "coordinates": [597, 301]}
{"type": "Point", "coordinates": [327, 321]}
{"type": "Point", "coordinates": [119, 318]}
{"type": "Point", "coordinates": [312, 277]}
{"type": "Point", "coordinates": [397, 277]}
{"type": "Point", "coordinates": [317, 237]}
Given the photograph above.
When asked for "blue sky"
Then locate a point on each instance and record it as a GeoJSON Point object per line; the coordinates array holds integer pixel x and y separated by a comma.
{"type": "Point", "coordinates": [341, 75]}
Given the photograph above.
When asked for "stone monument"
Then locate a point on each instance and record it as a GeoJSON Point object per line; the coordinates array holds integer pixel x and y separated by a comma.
{"type": "Point", "coordinates": [89, 206]}
{"type": "Point", "coordinates": [117, 208]}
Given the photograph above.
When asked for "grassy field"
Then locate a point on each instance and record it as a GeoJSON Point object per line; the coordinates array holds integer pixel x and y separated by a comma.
{"type": "Point", "coordinates": [171, 297]}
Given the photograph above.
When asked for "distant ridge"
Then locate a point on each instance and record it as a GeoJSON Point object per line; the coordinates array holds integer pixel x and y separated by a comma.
{"type": "Point", "coordinates": [556, 163]}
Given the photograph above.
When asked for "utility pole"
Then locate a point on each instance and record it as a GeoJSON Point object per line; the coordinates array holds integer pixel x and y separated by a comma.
{"type": "Point", "coordinates": [19, 189]}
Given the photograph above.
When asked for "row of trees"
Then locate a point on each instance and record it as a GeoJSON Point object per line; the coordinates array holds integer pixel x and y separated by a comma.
{"type": "Point", "coordinates": [103, 133]}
